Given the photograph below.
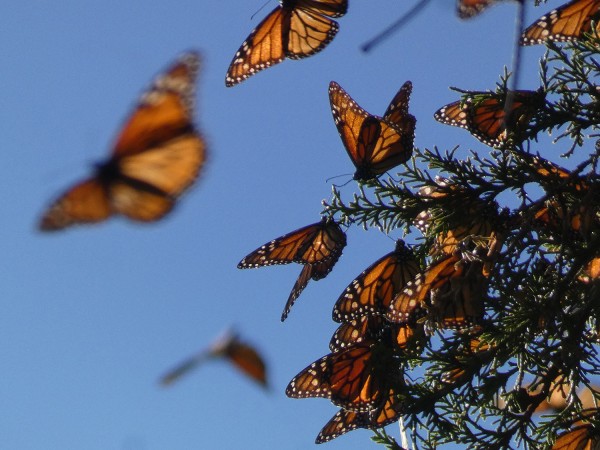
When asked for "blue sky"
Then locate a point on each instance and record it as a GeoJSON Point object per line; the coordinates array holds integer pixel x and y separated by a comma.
{"type": "Point", "coordinates": [93, 316]}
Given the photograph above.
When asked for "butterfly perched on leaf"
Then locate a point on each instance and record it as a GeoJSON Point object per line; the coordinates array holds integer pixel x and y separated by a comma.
{"type": "Point", "coordinates": [156, 157]}
{"type": "Point", "coordinates": [295, 29]}
{"type": "Point", "coordinates": [357, 378]}
{"type": "Point", "coordinates": [317, 246]}
{"type": "Point", "coordinates": [471, 8]}
{"type": "Point", "coordinates": [565, 23]}
{"type": "Point", "coordinates": [584, 437]}
{"type": "Point", "coordinates": [345, 421]}
{"type": "Point", "coordinates": [373, 290]}
{"type": "Point", "coordinates": [374, 144]}
{"type": "Point", "coordinates": [484, 115]}
{"type": "Point", "coordinates": [241, 355]}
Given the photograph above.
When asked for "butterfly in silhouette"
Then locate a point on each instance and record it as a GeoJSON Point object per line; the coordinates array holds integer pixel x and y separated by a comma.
{"type": "Point", "coordinates": [565, 23]}
{"type": "Point", "coordinates": [484, 115]}
{"type": "Point", "coordinates": [345, 421]}
{"type": "Point", "coordinates": [373, 290]}
{"type": "Point", "coordinates": [155, 158]}
{"type": "Point", "coordinates": [374, 144]}
{"type": "Point", "coordinates": [295, 29]}
{"type": "Point", "coordinates": [241, 355]}
{"type": "Point", "coordinates": [317, 246]}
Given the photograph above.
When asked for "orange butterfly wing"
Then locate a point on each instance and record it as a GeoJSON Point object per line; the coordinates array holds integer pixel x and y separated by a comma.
{"type": "Point", "coordinates": [374, 145]}
{"type": "Point", "coordinates": [471, 8]}
{"type": "Point", "coordinates": [484, 117]}
{"type": "Point", "coordinates": [311, 244]}
{"type": "Point", "coordinates": [566, 23]}
{"type": "Point", "coordinates": [579, 438]}
{"type": "Point", "coordinates": [415, 293]}
{"type": "Point", "coordinates": [356, 378]}
{"type": "Point", "coordinates": [156, 157]}
{"type": "Point", "coordinates": [373, 290]}
{"type": "Point", "coordinates": [345, 421]}
{"type": "Point", "coordinates": [248, 360]}
{"type": "Point", "coordinates": [296, 29]}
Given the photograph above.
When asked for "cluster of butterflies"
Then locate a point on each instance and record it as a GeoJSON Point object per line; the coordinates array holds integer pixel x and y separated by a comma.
{"type": "Point", "coordinates": [160, 152]}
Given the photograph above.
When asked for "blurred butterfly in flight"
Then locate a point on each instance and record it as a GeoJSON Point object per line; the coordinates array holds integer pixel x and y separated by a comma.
{"type": "Point", "coordinates": [295, 29]}
{"type": "Point", "coordinates": [156, 157]}
{"type": "Point", "coordinates": [374, 144]}
{"type": "Point", "coordinates": [241, 355]}
{"type": "Point", "coordinates": [317, 246]}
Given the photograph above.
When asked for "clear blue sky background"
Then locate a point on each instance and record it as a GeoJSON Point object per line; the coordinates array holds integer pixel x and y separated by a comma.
{"type": "Point", "coordinates": [91, 317]}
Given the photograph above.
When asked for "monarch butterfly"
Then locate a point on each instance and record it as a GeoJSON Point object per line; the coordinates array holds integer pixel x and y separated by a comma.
{"type": "Point", "coordinates": [372, 291]}
{"type": "Point", "coordinates": [295, 29]}
{"type": "Point", "coordinates": [374, 144]}
{"type": "Point", "coordinates": [566, 23]}
{"type": "Point", "coordinates": [371, 327]}
{"type": "Point", "coordinates": [243, 356]}
{"type": "Point", "coordinates": [345, 421]}
{"type": "Point", "coordinates": [548, 172]}
{"type": "Point", "coordinates": [483, 115]}
{"type": "Point", "coordinates": [415, 293]}
{"type": "Point", "coordinates": [458, 302]}
{"type": "Point", "coordinates": [584, 437]}
{"type": "Point", "coordinates": [471, 8]}
{"type": "Point", "coordinates": [157, 155]}
{"type": "Point", "coordinates": [591, 271]}
{"type": "Point", "coordinates": [357, 378]}
{"type": "Point", "coordinates": [318, 246]}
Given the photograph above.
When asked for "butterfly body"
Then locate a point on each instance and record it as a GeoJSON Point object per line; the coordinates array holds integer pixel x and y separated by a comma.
{"type": "Point", "coordinates": [374, 144]}
{"type": "Point", "coordinates": [296, 29]}
{"type": "Point", "coordinates": [156, 157]}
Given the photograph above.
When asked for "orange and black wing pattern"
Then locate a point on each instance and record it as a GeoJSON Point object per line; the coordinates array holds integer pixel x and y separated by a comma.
{"type": "Point", "coordinates": [314, 243]}
{"type": "Point", "coordinates": [566, 23]}
{"type": "Point", "coordinates": [247, 359]}
{"type": "Point", "coordinates": [484, 115]}
{"type": "Point", "coordinates": [584, 437]}
{"type": "Point", "coordinates": [357, 378]}
{"type": "Point", "coordinates": [345, 421]}
{"type": "Point", "coordinates": [156, 157]}
{"type": "Point", "coordinates": [417, 291]}
{"type": "Point", "coordinates": [373, 290]}
{"type": "Point", "coordinates": [295, 29]}
{"type": "Point", "coordinates": [374, 144]}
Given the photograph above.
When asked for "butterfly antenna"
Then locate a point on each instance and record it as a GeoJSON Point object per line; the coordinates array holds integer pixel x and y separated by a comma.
{"type": "Point", "coordinates": [368, 46]}
{"type": "Point", "coordinates": [259, 9]}
{"type": "Point", "coordinates": [339, 176]}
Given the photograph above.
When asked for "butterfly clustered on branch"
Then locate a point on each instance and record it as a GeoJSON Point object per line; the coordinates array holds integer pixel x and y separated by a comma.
{"type": "Point", "coordinates": [489, 282]}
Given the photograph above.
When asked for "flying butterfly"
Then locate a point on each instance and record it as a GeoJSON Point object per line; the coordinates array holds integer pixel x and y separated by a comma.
{"type": "Point", "coordinates": [584, 437]}
{"type": "Point", "coordinates": [295, 29]}
{"type": "Point", "coordinates": [471, 8]}
{"type": "Point", "coordinates": [374, 144]}
{"type": "Point", "coordinates": [373, 290]}
{"type": "Point", "coordinates": [156, 157]}
{"type": "Point", "coordinates": [241, 355]}
{"type": "Point", "coordinates": [345, 421]}
{"type": "Point", "coordinates": [565, 23]}
{"type": "Point", "coordinates": [317, 246]}
{"type": "Point", "coordinates": [357, 378]}
{"type": "Point", "coordinates": [484, 115]}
